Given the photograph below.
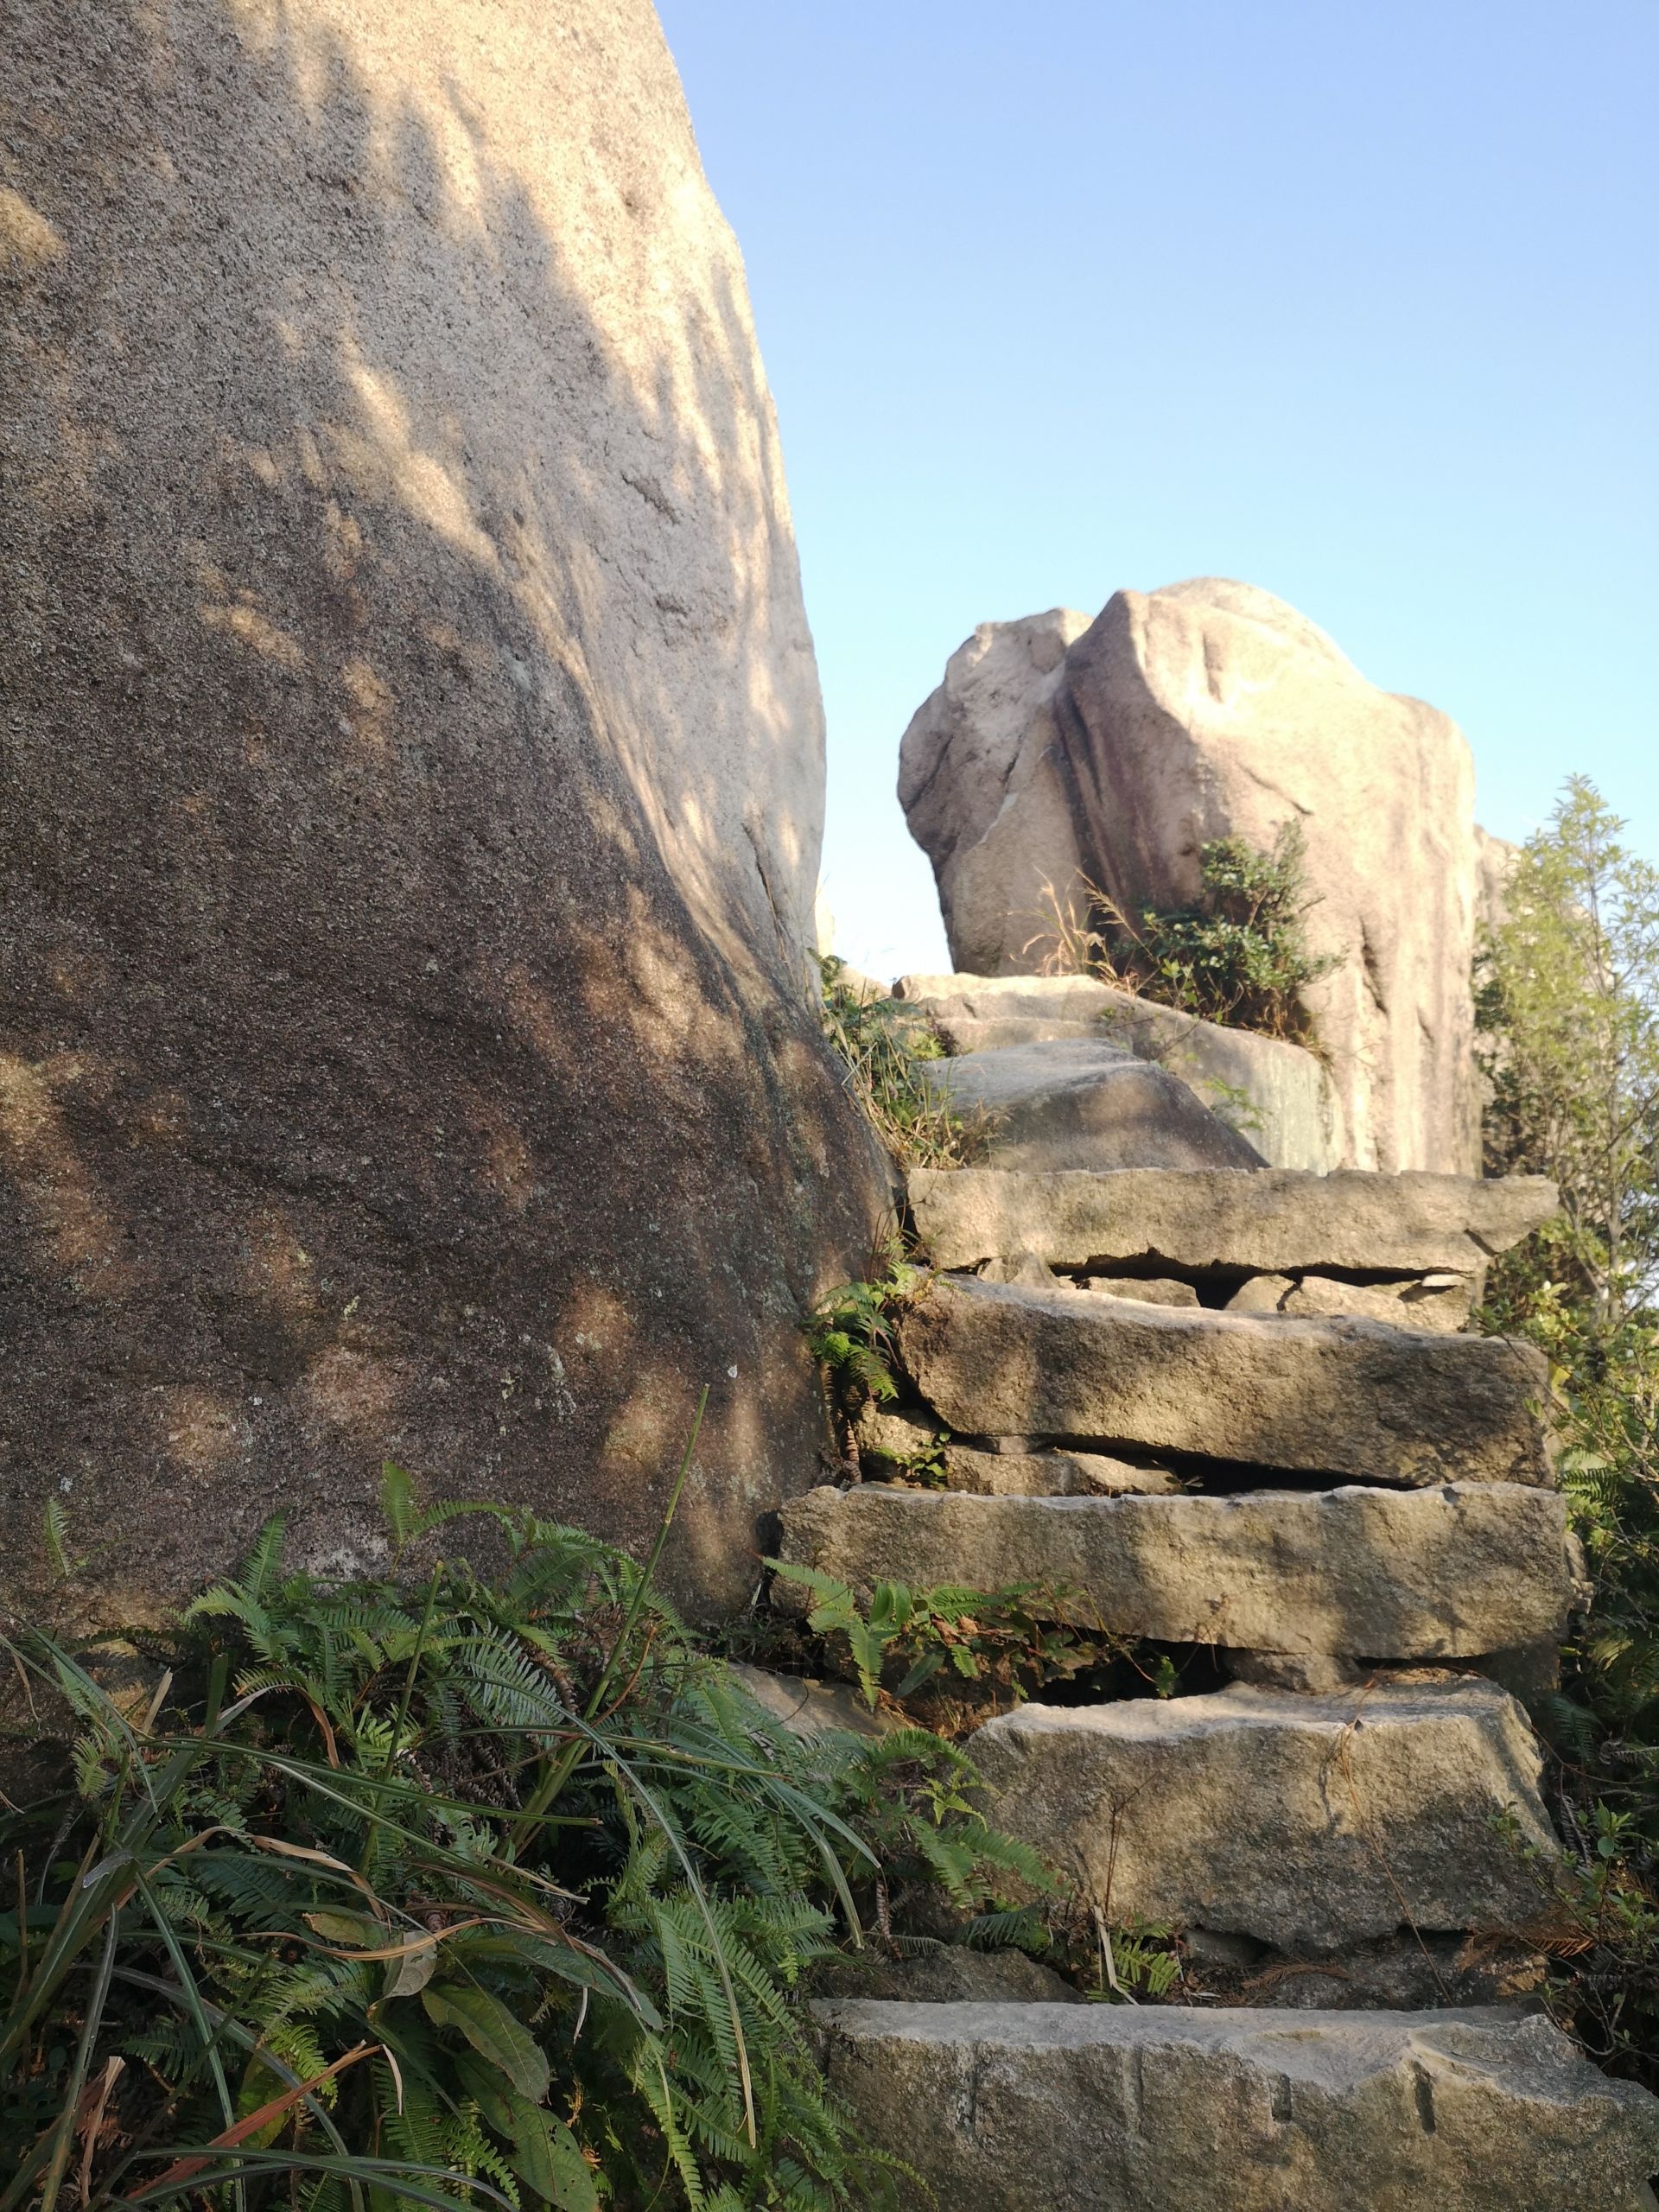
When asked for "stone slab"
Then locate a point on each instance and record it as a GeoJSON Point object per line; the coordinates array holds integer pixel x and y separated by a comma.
{"type": "Point", "coordinates": [1329, 1397]}
{"type": "Point", "coordinates": [1272, 1221]}
{"type": "Point", "coordinates": [1438, 1304]}
{"type": "Point", "coordinates": [1052, 1474]}
{"type": "Point", "coordinates": [1305, 1823]}
{"type": "Point", "coordinates": [1280, 1096]}
{"type": "Point", "coordinates": [1169, 2108]}
{"type": "Point", "coordinates": [1145, 1290]}
{"type": "Point", "coordinates": [1450, 1573]}
{"type": "Point", "coordinates": [1038, 1107]}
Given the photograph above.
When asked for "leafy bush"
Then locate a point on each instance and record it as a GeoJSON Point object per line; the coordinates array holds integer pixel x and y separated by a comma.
{"type": "Point", "coordinates": [1239, 957]}
{"type": "Point", "coordinates": [1568, 991]}
{"type": "Point", "coordinates": [444, 1886]}
{"type": "Point", "coordinates": [883, 1046]}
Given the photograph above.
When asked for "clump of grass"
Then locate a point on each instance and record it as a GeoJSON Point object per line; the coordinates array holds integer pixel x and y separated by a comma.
{"type": "Point", "coordinates": [884, 1047]}
{"type": "Point", "coordinates": [1239, 955]}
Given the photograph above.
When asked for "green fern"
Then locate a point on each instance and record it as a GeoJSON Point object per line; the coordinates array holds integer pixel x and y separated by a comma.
{"type": "Point", "coordinates": [514, 1877]}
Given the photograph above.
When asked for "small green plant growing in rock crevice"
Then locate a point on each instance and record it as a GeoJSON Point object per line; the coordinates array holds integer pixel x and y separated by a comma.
{"type": "Point", "coordinates": [850, 1331]}
{"type": "Point", "coordinates": [883, 1047]}
{"type": "Point", "coordinates": [1003, 1645]}
{"type": "Point", "coordinates": [1239, 955]}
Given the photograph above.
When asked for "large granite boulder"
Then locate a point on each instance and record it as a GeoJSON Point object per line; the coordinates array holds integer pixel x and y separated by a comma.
{"type": "Point", "coordinates": [981, 785]}
{"type": "Point", "coordinates": [1306, 1823]}
{"type": "Point", "coordinates": [412, 761]}
{"type": "Point", "coordinates": [1209, 710]}
{"type": "Point", "coordinates": [1453, 1573]}
{"type": "Point", "coordinates": [1169, 2108]}
{"type": "Point", "coordinates": [1342, 1397]}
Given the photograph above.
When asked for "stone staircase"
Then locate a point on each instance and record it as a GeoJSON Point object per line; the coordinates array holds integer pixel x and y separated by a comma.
{"type": "Point", "coordinates": [1233, 1410]}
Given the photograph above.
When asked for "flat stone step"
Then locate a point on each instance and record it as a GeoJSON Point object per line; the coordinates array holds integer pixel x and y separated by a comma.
{"type": "Point", "coordinates": [1081, 1105]}
{"type": "Point", "coordinates": [1271, 1222]}
{"type": "Point", "coordinates": [1282, 1094]}
{"type": "Point", "coordinates": [1338, 1397]}
{"type": "Point", "coordinates": [1167, 2108]}
{"type": "Point", "coordinates": [1453, 1573]}
{"type": "Point", "coordinates": [1309, 1824]}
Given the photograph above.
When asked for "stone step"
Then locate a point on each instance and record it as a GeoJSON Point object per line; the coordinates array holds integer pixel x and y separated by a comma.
{"type": "Point", "coordinates": [1281, 1095]}
{"type": "Point", "coordinates": [1325, 1397]}
{"type": "Point", "coordinates": [898, 1441]}
{"type": "Point", "coordinates": [1307, 1824]}
{"type": "Point", "coordinates": [1271, 1222]}
{"type": "Point", "coordinates": [1043, 1107]}
{"type": "Point", "coordinates": [1454, 1572]}
{"type": "Point", "coordinates": [1438, 1304]}
{"type": "Point", "coordinates": [1168, 2108]}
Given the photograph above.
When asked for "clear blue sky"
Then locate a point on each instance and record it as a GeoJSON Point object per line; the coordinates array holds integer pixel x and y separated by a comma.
{"type": "Point", "coordinates": [1356, 301]}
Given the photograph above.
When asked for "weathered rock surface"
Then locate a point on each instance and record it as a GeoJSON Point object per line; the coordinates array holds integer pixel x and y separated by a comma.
{"type": "Point", "coordinates": [411, 794]}
{"type": "Point", "coordinates": [895, 1439]}
{"type": "Point", "coordinates": [1278, 1096]}
{"type": "Point", "coordinates": [1143, 1290]}
{"type": "Point", "coordinates": [1042, 1107]}
{"type": "Point", "coordinates": [1439, 1303]}
{"type": "Point", "coordinates": [943, 1974]}
{"type": "Point", "coordinates": [1052, 1474]}
{"type": "Point", "coordinates": [979, 784]}
{"type": "Point", "coordinates": [1337, 1397]}
{"type": "Point", "coordinates": [811, 1708]}
{"type": "Point", "coordinates": [1166, 2108]}
{"type": "Point", "coordinates": [1450, 1573]}
{"type": "Point", "coordinates": [1265, 1222]}
{"type": "Point", "coordinates": [1308, 1823]}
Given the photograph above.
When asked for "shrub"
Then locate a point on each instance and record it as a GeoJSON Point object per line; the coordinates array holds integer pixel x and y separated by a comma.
{"type": "Point", "coordinates": [445, 1885]}
{"type": "Point", "coordinates": [1239, 957]}
{"type": "Point", "coordinates": [1568, 989]}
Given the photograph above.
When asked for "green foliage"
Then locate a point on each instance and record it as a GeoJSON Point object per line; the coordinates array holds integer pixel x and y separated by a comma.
{"type": "Point", "coordinates": [1139, 1960]}
{"type": "Point", "coordinates": [1569, 999]}
{"type": "Point", "coordinates": [851, 1330]}
{"type": "Point", "coordinates": [1013, 1640]}
{"type": "Point", "coordinates": [883, 1046]}
{"type": "Point", "coordinates": [1568, 1004]}
{"type": "Point", "coordinates": [1240, 956]}
{"type": "Point", "coordinates": [445, 1886]}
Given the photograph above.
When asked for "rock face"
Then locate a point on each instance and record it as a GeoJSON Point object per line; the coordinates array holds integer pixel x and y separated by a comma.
{"type": "Point", "coordinates": [1279, 1096]}
{"type": "Point", "coordinates": [411, 791]}
{"type": "Point", "coordinates": [1044, 1107]}
{"type": "Point", "coordinates": [1306, 1823]}
{"type": "Point", "coordinates": [980, 784]}
{"type": "Point", "coordinates": [1328, 1396]}
{"type": "Point", "coordinates": [1446, 1573]}
{"type": "Point", "coordinates": [1209, 710]}
{"type": "Point", "coordinates": [1166, 2108]}
{"type": "Point", "coordinates": [1399, 1224]}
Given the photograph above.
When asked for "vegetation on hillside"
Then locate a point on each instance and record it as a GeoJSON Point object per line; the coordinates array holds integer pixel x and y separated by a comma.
{"type": "Point", "coordinates": [1568, 1004]}
{"type": "Point", "coordinates": [1239, 955]}
{"type": "Point", "coordinates": [444, 1887]}
{"type": "Point", "coordinates": [885, 1047]}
